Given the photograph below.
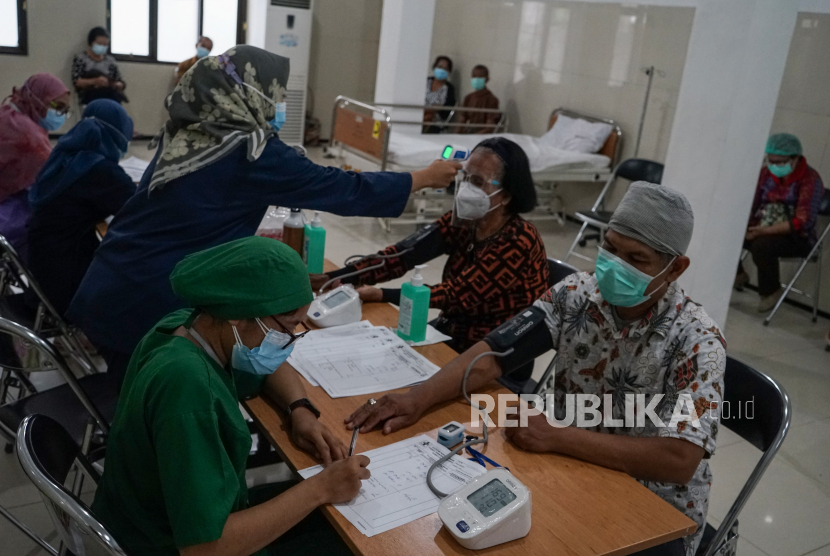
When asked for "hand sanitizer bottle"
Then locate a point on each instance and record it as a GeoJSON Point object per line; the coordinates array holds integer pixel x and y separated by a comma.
{"type": "Point", "coordinates": [315, 245]}
{"type": "Point", "coordinates": [412, 319]}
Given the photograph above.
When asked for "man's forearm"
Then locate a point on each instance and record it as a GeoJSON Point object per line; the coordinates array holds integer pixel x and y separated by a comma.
{"type": "Point", "coordinates": [446, 383]}
{"type": "Point", "coordinates": [668, 460]}
{"type": "Point", "coordinates": [284, 386]}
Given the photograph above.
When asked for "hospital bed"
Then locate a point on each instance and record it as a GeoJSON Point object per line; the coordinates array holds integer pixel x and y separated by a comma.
{"type": "Point", "coordinates": [380, 137]}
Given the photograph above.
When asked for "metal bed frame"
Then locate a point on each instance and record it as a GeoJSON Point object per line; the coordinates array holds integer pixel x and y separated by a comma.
{"type": "Point", "coordinates": [362, 130]}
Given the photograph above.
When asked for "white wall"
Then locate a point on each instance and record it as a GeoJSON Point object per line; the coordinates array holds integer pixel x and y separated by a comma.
{"type": "Point", "coordinates": [57, 31]}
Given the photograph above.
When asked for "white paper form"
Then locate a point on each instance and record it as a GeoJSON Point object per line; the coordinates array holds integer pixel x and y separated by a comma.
{"type": "Point", "coordinates": [365, 362]}
{"type": "Point", "coordinates": [316, 337]}
{"type": "Point", "coordinates": [397, 492]}
{"type": "Point", "coordinates": [134, 167]}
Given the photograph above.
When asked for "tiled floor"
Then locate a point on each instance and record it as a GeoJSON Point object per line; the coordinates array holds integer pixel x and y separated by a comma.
{"type": "Point", "coordinates": [787, 514]}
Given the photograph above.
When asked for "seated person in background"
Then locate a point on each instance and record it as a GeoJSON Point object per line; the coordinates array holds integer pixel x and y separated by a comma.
{"type": "Point", "coordinates": [95, 73]}
{"type": "Point", "coordinates": [440, 92]}
{"type": "Point", "coordinates": [174, 483]}
{"type": "Point", "coordinates": [628, 329]}
{"type": "Point", "coordinates": [481, 97]}
{"type": "Point", "coordinates": [496, 267]}
{"type": "Point", "coordinates": [203, 48]}
{"type": "Point", "coordinates": [26, 118]}
{"type": "Point", "coordinates": [80, 185]}
{"type": "Point", "coordinates": [784, 214]}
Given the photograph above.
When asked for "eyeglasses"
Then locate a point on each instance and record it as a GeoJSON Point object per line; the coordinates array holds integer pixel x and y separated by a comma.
{"type": "Point", "coordinates": [294, 337]}
{"type": "Point", "coordinates": [61, 110]}
{"type": "Point", "coordinates": [477, 180]}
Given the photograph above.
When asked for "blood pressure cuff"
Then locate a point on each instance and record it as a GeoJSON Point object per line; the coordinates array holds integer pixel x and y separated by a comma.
{"type": "Point", "coordinates": [424, 245]}
{"type": "Point", "coordinates": [526, 333]}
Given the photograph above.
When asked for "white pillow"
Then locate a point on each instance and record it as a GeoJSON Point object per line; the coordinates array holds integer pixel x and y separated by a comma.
{"type": "Point", "coordinates": [577, 135]}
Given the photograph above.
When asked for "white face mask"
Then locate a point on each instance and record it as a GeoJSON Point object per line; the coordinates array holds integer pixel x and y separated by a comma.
{"type": "Point", "coordinates": [471, 203]}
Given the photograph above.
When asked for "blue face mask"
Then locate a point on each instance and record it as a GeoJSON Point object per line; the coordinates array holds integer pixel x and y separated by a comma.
{"type": "Point", "coordinates": [440, 74]}
{"type": "Point", "coordinates": [780, 170]}
{"type": "Point", "coordinates": [621, 284]}
{"type": "Point", "coordinates": [53, 120]}
{"type": "Point", "coordinates": [478, 83]}
{"type": "Point", "coordinates": [201, 51]}
{"type": "Point", "coordinates": [278, 120]}
{"type": "Point", "coordinates": [100, 49]}
{"type": "Point", "coordinates": [265, 359]}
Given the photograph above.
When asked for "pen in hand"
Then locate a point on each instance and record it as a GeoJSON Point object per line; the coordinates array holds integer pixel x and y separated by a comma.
{"type": "Point", "coordinates": [354, 441]}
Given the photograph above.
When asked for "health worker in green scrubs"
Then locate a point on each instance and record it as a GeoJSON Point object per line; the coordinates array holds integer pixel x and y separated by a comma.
{"type": "Point", "coordinates": [174, 480]}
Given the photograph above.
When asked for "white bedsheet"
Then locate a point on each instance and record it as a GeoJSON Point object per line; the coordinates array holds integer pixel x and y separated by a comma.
{"type": "Point", "coordinates": [418, 151]}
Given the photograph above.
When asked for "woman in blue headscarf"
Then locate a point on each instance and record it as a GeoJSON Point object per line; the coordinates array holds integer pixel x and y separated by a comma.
{"type": "Point", "coordinates": [80, 185]}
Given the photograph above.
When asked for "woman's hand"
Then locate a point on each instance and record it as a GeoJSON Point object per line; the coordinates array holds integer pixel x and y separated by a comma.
{"type": "Point", "coordinates": [370, 294]}
{"type": "Point", "coordinates": [396, 411]}
{"type": "Point", "coordinates": [753, 232]}
{"type": "Point", "coordinates": [319, 280]}
{"type": "Point", "coordinates": [313, 437]}
{"type": "Point", "coordinates": [118, 85]}
{"type": "Point", "coordinates": [340, 482]}
{"type": "Point", "coordinates": [440, 173]}
{"type": "Point", "coordinates": [100, 82]}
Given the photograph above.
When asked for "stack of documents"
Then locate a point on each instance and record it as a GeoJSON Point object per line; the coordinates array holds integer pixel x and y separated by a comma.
{"type": "Point", "coordinates": [397, 491]}
{"type": "Point", "coordinates": [357, 359]}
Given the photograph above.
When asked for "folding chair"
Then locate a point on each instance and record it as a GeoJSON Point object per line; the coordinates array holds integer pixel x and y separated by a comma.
{"type": "Point", "coordinates": [48, 455]}
{"type": "Point", "coordinates": [45, 319]}
{"type": "Point", "coordinates": [83, 406]}
{"type": "Point", "coordinates": [633, 169]}
{"type": "Point", "coordinates": [814, 256]}
{"type": "Point", "coordinates": [557, 271]}
{"type": "Point", "coordinates": [765, 429]}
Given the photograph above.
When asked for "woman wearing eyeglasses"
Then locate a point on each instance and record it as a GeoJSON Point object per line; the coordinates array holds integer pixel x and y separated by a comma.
{"type": "Point", "coordinates": [26, 118]}
{"type": "Point", "coordinates": [497, 264]}
{"type": "Point", "coordinates": [80, 185]}
{"type": "Point", "coordinates": [174, 483]}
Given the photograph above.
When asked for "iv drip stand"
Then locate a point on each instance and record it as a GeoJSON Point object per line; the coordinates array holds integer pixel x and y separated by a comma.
{"type": "Point", "coordinates": [649, 71]}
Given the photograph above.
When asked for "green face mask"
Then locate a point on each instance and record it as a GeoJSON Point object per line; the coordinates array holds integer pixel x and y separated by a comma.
{"type": "Point", "coordinates": [478, 83]}
{"type": "Point", "coordinates": [780, 170]}
{"type": "Point", "coordinates": [621, 284]}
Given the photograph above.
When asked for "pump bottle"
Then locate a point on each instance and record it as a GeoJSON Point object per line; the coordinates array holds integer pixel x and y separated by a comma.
{"type": "Point", "coordinates": [412, 319]}
{"type": "Point", "coordinates": [314, 246]}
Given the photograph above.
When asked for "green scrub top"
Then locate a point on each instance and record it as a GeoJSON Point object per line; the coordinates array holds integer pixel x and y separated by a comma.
{"type": "Point", "coordinates": [176, 454]}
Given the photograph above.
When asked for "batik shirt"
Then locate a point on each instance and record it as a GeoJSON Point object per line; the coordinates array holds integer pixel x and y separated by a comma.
{"type": "Point", "coordinates": [675, 350]}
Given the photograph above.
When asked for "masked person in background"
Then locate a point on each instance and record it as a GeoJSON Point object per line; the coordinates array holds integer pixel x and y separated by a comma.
{"type": "Point", "coordinates": [80, 185]}
{"type": "Point", "coordinates": [95, 73]}
{"type": "Point", "coordinates": [496, 267]}
{"type": "Point", "coordinates": [481, 97]}
{"type": "Point", "coordinates": [174, 484]}
{"type": "Point", "coordinates": [203, 48]}
{"type": "Point", "coordinates": [627, 330]}
{"type": "Point", "coordinates": [26, 118]}
{"type": "Point", "coordinates": [784, 214]}
{"type": "Point", "coordinates": [440, 92]}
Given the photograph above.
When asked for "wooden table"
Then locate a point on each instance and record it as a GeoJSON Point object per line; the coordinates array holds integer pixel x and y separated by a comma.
{"type": "Point", "coordinates": [578, 508]}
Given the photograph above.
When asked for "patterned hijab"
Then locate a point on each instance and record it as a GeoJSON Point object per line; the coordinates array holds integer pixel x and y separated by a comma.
{"type": "Point", "coordinates": [212, 111]}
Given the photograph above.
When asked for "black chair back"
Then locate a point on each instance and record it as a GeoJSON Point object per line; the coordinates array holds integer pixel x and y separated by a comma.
{"type": "Point", "coordinates": [754, 406]}
{"type": "Point", "coordinates": [640, 169]}
{"type": "Point", "coordinates": [558, 271]}
{"type": "Point", "coordinates": [824, 207]}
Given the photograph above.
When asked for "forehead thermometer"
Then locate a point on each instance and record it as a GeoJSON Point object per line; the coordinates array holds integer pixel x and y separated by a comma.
{"type": "Point", "coordinates": [339, 306]}
{"type": "Point", "coordinates": [492, 509]}
{"type": "Point", "coordinates": [454, 153]}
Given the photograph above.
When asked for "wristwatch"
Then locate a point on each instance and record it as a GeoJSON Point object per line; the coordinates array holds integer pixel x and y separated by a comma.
{"type": "Point", "coordinates": [303, 402]}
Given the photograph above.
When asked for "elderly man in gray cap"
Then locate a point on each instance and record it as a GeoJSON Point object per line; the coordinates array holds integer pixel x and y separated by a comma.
{"type": "Point", "coordinates": [626, 334]}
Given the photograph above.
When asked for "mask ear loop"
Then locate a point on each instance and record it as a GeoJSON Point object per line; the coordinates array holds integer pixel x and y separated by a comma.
{"type": "Point", "coordinates": [659, 273]}
{"type": "Point", "coordinates": [265, 329]}
{"type": "Point", "coordinates": [236, 335]}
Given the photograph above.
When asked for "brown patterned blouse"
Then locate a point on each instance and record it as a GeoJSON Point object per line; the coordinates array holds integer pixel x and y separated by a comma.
{"type": "Point", "coordinates": [484, 282]}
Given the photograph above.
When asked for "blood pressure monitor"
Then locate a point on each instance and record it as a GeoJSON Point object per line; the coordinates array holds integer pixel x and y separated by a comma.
{"type": "Point", "coordinates": [491, 509]}
{"type": "Point", "coordinates": [339, 306]}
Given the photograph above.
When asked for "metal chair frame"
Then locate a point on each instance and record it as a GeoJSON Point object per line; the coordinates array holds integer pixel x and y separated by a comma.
{"type": "Point", "coordinates": [48, 321]}
{"type": "Point", "coordinates": [53, 361]}
{"type": "Point", "coordinates": [814, 256]}
{"type": "Point", "coordinates": [62, 502]}
{"type": "Point", "coordinates": [597, 206]}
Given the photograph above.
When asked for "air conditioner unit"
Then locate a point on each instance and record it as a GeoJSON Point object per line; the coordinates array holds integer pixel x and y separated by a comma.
{"type": "Point", "coordinates": [287, 32]}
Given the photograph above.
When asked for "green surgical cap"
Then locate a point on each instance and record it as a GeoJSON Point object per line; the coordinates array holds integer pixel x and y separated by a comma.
{"type": "Point", "coordinates": [243, 279]}
{"type": "Point", "coordinates": [783, 144]}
